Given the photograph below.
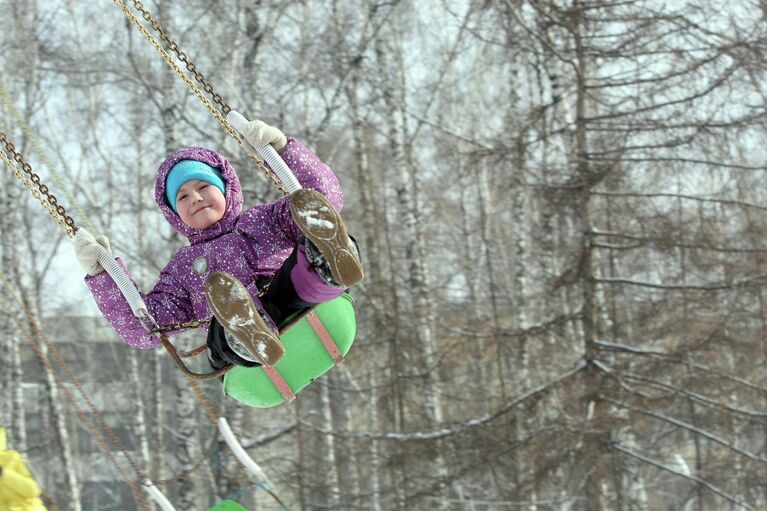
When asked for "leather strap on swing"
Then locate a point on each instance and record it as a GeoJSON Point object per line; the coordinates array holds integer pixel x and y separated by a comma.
{"type": "Point", "coordinates": [327, 340]}
{"type": "Point", "coordinates": [184, 369]}
{"type": "Point", "coordinates": [280, 383]}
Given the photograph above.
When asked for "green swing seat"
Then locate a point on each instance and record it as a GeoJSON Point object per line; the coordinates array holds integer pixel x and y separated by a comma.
{"type": "Point", "coordinates": [308, 355]}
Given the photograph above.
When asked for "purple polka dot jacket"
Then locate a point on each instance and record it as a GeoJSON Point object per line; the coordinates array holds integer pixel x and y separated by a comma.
{"type": "Point", "coordinates": [250, 245]}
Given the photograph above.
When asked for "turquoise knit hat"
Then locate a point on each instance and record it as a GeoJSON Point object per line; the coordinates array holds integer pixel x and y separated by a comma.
{"type": "Point", "coordinates": [190, 170]}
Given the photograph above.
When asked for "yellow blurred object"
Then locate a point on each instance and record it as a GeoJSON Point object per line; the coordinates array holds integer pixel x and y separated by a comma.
{"type": "Point", "coordinates": [18, 490]}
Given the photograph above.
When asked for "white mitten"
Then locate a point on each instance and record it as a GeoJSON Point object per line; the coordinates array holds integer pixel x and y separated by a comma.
{"type": "Point", "coordinates": [87, 251]}
{"type": "Point", "coordinates": [258, 133]}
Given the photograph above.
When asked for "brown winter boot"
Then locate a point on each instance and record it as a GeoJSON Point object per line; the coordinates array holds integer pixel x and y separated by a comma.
{"type": "Point", "coordinates": [323, 226]}
{"type": "Point", "coordinates": [249, 335]}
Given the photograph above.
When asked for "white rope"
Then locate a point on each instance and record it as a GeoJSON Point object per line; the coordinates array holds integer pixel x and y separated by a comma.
{"type": "Point", "coordinates": [158, 496]}
{"type": "Point", "coordinates": [242, 455]}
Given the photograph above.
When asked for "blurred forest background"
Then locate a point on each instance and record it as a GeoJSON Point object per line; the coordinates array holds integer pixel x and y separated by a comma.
{"type": "Point", "coordinates": [561, 208]}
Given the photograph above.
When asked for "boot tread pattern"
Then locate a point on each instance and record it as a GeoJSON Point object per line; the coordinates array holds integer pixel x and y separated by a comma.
{"type": "Point", "coordinates": [320, 222]}
{"type": "Point", "coordinates": [233, 307]}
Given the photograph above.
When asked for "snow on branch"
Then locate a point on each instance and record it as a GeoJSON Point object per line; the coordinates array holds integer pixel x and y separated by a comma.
{"type": "Point", "coordinates": [271, 437]}
{"type": "Point", "coordinates": [715, 286]}
{"type": "Point", "coordinates": [700, 398]}
{"type": "Point", "coordinates": [696, 479]}
{"type": "Point", "coordinates": [729, 202]}
{"type": "Point", "coordinates": [612, 346]}
{"type": "Point", "coordinates": [624, 348]}
{"type": "Point", "coordinates": [677, 159]}
{"type": "Point", "coordinates": [689, 427]}
{"type": "Point", "coordinates": [449, 431]}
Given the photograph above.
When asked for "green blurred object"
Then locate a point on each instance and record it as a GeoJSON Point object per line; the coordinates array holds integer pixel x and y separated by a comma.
{"type": "Point", "coordinates": [305, 359]}
{"type": "Point", "coordinates": [228, 505]}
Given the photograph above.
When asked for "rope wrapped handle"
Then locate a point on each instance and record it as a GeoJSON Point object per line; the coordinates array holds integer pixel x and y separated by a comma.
{"type": "Point", "coordinates": [268, 153]}
{"type": "Point", "coordinates": [123, 281]}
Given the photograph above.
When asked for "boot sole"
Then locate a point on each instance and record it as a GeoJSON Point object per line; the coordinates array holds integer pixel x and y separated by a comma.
{"type": "Point", "coordinates": [233, 307]}
{"type": "Point", "coordinates": [322, 224]}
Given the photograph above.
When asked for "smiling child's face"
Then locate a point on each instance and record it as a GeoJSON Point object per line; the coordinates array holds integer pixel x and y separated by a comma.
{"type": "Point", "coordinates": [200, 204]}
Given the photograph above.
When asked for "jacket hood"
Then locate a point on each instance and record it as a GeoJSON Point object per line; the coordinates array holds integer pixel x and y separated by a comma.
{"type": "Point", "coordinates": [233, 193]}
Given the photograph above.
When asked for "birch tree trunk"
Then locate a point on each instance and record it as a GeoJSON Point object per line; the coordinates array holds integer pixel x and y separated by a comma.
{"type": "Point", "coordinates": [595, 447]}
{"type": "Point", "coordinates": [398, 471]}
{"type": "Point", "coordinates": [373, 274]}
{"type": "Point", "coordinates": [759, 261]}
{"type": "Point", "coordinates": [61, 435]}
{"type": "Point", "coordinates": [157, 404]}
{"type": "Point", "coordinates": [331, 484]}
{"type": "Point", "coordinates": [142, 363]}
{"type": "Point", "coordinates": [17, 410]}
{"type": "Point", "coordinates": [230, 477]}
{"type": "Point", "coordinates": [27, 277]}
{"type": "Point", "coordinates": [521, 364]}
{"type": "Point", "coordinates": [12, 412]}
{"type": "Point", "coordinates": [418, 307]}
{"type": "Point", "coordinates": [486, 211]}
{"type": "Point", "coordinates": [190, 494]}
{"type": "Point", "coordinates": [300, 450]}
{"type": "Point", "coordinates": [347, 462]}
{"type": "Point", "coordinates": [699, 501]}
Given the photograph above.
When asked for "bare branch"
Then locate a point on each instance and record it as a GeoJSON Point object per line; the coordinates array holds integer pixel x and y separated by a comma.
{"type": "Point", "coordinates": [696, 479]}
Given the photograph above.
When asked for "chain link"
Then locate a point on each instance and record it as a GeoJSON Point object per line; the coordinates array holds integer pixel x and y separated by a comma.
{"type": "Point", "coordinates": [207, 87]}
{"type": "Point", "coordinates": [59, 213]}
{"type": "Point", "coordinates": [98, 422]}
{"type": "Point", "coordinates": [50, 202]}
{"type": "Point", "coordinates": [35, 333]}
{"type": "Point", "coordinates": [42, 194]}
{"type": "Point", "coordinates": [180, 326]}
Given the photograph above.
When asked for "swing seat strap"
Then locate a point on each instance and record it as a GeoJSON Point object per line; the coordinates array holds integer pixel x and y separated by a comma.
{"type": "Point", "coordinates": [327, 340]}
{"type": "Point", "coordinates": [280, 383]}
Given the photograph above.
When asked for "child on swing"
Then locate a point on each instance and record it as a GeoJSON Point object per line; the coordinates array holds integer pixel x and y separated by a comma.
{"type": "Point", "coordinates": [296, 248]}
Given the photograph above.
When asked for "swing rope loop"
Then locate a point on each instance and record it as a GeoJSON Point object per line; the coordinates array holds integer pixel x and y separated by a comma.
{"type": "Point", "coordinates": [42, 193]}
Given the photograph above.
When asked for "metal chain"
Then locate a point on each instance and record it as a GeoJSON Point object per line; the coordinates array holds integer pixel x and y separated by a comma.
{"type": "Point", "coordinates": [204, 456]}
{"type": "Point", "coordinates": [99, 419]}
{"type": "Point", "coordinates": [35, 327]}
{"type": "Point", "coordinates": [180, 72]}
{"type": "Point", "coordinates": [11, 165]}
{"type": "Point", "coordinates": [47, 199]}
{"type": "Point", "coordinates": [180, 326]}
{"type": "Point", "coordinates": [181, 56]}
{"type": "Point", "coordinates": [58, 212]}
{"type": "Point", "coordinates": [34, 142]}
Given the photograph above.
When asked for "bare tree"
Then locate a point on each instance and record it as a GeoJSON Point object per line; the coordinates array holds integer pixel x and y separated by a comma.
{"type": "Point", "coordinates": [560, 211]}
